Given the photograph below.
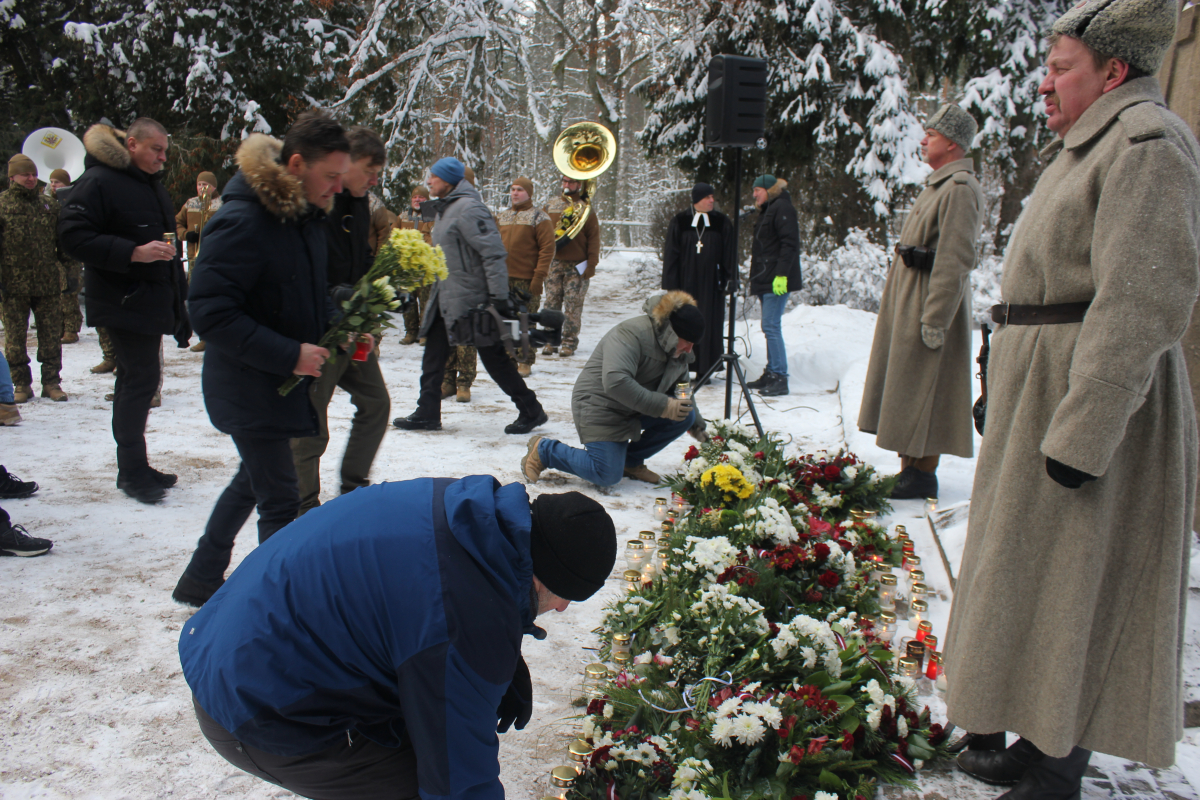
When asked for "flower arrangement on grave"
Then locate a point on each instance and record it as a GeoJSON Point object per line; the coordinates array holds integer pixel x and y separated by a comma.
{"type": "Point", "coordinates": [404, 263]}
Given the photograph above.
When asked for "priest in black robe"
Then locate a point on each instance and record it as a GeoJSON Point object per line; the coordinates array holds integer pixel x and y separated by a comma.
{"type": "Point", "coordinates": [698, 258]}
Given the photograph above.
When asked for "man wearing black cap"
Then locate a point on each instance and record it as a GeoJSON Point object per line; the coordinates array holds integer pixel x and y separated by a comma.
{"type": "Point", "coordinates": [699, 256]}
{"type": "Point", "coordinates": [624, 404]}
{"type": "Point", "coordinates": [376, 647]}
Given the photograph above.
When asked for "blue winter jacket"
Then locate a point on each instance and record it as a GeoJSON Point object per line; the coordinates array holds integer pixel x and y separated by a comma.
{"type": "Point", "coordinates": [385, 613]}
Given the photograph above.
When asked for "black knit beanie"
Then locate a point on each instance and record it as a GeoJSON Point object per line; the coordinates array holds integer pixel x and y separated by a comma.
{"type": "Point", "coordinates": [573, 543]}
{"type": "Point", "coordinates": [688, 323]}
{"type": "Point", "coordinates": [701, 191]}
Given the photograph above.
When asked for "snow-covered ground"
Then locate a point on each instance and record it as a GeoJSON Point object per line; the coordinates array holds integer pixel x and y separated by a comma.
{"type": "Point", "coordinates": [92, 701]}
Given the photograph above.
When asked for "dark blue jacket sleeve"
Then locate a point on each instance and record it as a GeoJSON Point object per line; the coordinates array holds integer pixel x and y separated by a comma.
{"type": "Point", "coordinates": [228, 271]}
{"type": "Point", "coordinates": [81, 226]}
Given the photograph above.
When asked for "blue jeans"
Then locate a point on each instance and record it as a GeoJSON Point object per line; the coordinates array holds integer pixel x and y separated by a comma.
{"type": "Point", "coordinates": [602, 463]}
{"type": "Point", "coordinates": [772, 316]}
{"type": "Point", "coordinates": [6, 384]}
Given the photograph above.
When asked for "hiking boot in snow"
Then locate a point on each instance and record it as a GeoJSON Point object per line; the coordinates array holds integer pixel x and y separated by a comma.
{"type": "Point", "coordinates": [524, 370]}
{"type": "Point", "coordinates": [777, 387]}
{"type": "Point", "coordinates": [55, 393]}
{"type": "Point", "coordinates": [462, 394]}
{"type": "Point", "coordinates": [409, 338]}
{"type": "Point", "coordinates": [915, 484]}
{"type": "Point", "coordinates": [13, 488]}
{"type": "Point", "coordinates": [22, 394]}
{"type": "Point", "coordinates": [531, 464]}
{"type": "Point", "coordinates": [71, 337]}
{"type": "Point", "coordinates": [165, 479]}
{"type": "Point", "coordinates": [416, 422]}
{"type": "Point", "coordinates": [9, 414]}
{"type": "Point", "coordinates": [156, 401]}
{"type": "Point", "coordinates": [566, 351]}
{"type": "Point", "coordinates": [110, 396]}
{"type": "Point", "coordinates": [447, 390]}
{"type": "Point", "coordinates": [104, 367]}
{"type": "Point", "coordinates": [198, 347]}
{"type": "Point", "coordinates": [141, 485]}
{"type": "Point", "coordinates": [16, 541]}
{"type": "Point", "coordinates": [194, 593]}
{"type": "Point", "coordinates": [762, 381]}
{"type": "Point", "coordinates": [549, 350]}
{"type": "Point", "coordinates": [525, 423]}
{"type": "Point", "coordinates": [642, 473]}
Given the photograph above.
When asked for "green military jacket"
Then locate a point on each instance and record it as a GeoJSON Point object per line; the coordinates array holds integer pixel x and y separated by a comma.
{"type": "Point", "coordinates": [31, 261]}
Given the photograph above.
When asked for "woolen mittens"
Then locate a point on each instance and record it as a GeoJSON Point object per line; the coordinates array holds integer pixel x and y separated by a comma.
{"type": "Point", "coordinates": [932, 337]}
{"type": "Point", "coordinates": [1067, 476]}
{"type": "Point", "coordinates": [573, 543]}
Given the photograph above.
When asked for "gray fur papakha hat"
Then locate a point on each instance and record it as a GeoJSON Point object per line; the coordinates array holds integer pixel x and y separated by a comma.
{"type": "Point", "coordinates": [955, 124]}
{"type": "Point", "coordinates": [1139, 32]}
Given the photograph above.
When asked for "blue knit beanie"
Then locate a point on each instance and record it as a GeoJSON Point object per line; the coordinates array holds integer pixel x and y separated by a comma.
{"type": "Point", "coordinates": [449, 169]}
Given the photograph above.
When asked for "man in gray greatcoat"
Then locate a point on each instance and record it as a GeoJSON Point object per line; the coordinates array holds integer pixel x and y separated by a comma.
{"type": "Point", "coordinates": [1067, 622]}
{"type": "Point", "coordinates": [917, 399]}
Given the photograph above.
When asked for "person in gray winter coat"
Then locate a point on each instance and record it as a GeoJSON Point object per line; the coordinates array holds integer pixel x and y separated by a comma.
{"type": "Point", "coordinates": [477, 267]}
{"type": "Point", "coordinates": [624, 403]}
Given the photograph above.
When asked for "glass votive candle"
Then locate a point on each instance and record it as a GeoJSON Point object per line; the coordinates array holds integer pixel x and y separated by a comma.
{"type": "Point", "coordinates": [666, 528]}
{"type": "Point", "coordinates": [931, 642]}
{"type": "Point", "coordinates": [914, 576]}
{"type": "Point", "coordinates": [916, 651]}
{"type": "Point", "coordinates": [595, 678]}
{"type": "Point", "coordinates": [931, 505]}
{"type": "Point", "coordinates": [622, 643]}
{"type": "Point", "coordinates": [623, 660]}
{"type": "Point", "coordinates": [887, 590]}
{"type": "Point", "coordinates": [918, 591]}
{"type": "Point", "coordinates": [917, 610]}
{"type": "Point", "coordinates": [633, 580]}
{"type": "Point", "coordinates": [934, 669]}
{"type": "Point", "coordinates": [901, 530]}
{"type": "Point", "coordinates": [912, 562]}
{"type": "Point", "coordinates": [683, 390]}
{"type": "Point", "coordinates": [909, 668]}
{"type": "Point", "coordinates": [660, 508]}
{"type": "Point", "coordinates": [635, 554]}
{"type": "Point", "coordinates": [562, 779]}
{"type": "Point", "coordinates": [923, 630]}
{"type": "Point", "coordinates": [648, 540]}
{"type": "Point", "coordinates": [578, 752]}
{"type": "Point", "coordinates": [878, 567]}
{"type": "Point", "coordinates": [886, 626]}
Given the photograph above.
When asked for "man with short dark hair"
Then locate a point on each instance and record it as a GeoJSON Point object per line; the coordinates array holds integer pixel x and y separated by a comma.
{"type": "Point", "coordinates": [1068, 617]}
{"type": "Point", "coordinates": [625, 403]}
{"type": "Point", "coordinates": [349, 225]}
{"type": "Point", "coordinates": [260, 298]}
{"type": "Point", "coordinates": [376, 647]}
{"type": "Point", "coordinates": [114, 222]}
{"type": "Point", "coordinates": [477, 274]}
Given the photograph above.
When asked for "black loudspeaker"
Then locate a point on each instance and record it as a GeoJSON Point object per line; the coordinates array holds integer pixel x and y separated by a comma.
{"type": "Point", "coordinates": [737, 101]}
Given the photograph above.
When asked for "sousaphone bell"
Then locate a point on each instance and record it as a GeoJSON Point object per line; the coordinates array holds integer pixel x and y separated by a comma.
{"type": "Point", "coordinates": [582, 152]}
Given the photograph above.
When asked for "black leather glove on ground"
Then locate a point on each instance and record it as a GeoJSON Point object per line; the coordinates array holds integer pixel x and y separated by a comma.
{"type": "Point", "coordinates": [517, 704]}
{"type": "Point", "coordinates": [1067, 476]}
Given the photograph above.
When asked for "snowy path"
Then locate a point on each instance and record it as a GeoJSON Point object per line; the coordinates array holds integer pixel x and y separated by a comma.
{"type": "Point", "coordinates": [92, 702]}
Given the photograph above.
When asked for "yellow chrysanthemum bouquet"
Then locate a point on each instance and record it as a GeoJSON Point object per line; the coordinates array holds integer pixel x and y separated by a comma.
{"type": "Point", "coordinates": [724, 485]}
{"type": "Point", "coordinates": [404, 263]}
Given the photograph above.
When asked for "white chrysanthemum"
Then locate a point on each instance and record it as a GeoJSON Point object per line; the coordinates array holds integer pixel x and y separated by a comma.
{"type": "Point", "coordinates": [810, 657]}
{"type": "Point", "coordinates": [825, 796]}
{"type": "Point", "coordinates": [902, 727]}
{"type": "Point", "coordinates": [608, 710]}
{"type": "Point", "coordinates": [748, 729]}
{"type": "Point", "coordinates": [722, 731]}
{"type": "Point", "coordinates": [873, 717]}
{"type": "Point", "coordinates": [769, 714]}
{"type": "Point", "coordinates": [729, 707]}
{"type": "Point", "coordinates": [850, 472]}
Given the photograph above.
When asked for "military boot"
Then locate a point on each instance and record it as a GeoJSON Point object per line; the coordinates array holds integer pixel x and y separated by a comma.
{"type": "Point", "coordinates": [642, 473]}
{"type": "Point", "coordinates": [54, 392]}
{"type": "Point", "coordinates": [198, 347]}
{"type": "Point", "coordinates": [104, 367]}
{"type": "Point", "coordinates": [70, 337]}
{"type": "Point", "coordinates": [9, 415]}
{"type": "Point", "coordinates": [531, 464]}
{"type": "Point", "coordinates": [22, 394]}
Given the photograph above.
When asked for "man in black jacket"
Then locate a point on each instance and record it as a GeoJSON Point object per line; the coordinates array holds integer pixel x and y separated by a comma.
{"type": "Point", "coordinates": [259, 298]}
{"type": "Point", "coordinates": [114, 221]}
{"type": "Point", "coordinates": [774, 272]}
{"type": "Point", "coordinates": [349, 225]}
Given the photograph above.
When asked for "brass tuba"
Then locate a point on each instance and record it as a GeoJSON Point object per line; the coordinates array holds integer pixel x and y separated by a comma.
{"type": "Point", "coordinates": [583, 152]}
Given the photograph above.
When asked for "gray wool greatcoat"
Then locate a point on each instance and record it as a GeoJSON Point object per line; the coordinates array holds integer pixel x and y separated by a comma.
{"type": "Point", "coordinates": [916, 400]}
{"type": "Point", "coordinates": [1067, 623]}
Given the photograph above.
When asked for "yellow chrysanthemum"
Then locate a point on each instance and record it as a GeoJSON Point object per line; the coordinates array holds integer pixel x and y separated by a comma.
{"type": "Point", "coordinates": [729, 479]}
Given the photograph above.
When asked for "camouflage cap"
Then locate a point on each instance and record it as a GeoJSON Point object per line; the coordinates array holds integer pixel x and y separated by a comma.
{"type": "Point", "coordinates": [1139, 32]}
{"type": "Point", "coordinates": [21, 164]}
{"type": "Point", "coordinates": [955, 124]}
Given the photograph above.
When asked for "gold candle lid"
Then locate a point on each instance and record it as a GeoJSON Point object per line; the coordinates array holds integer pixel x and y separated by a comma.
{"type": "Point", "coordinates": [621, 658]}
{"type": "Point", "coordinates": [920, 606]}
{"type": "Point", "coordinates": [672, 513]}
{"type": "Point", "coordinates": [901, 530]}
{"type": "Point", "coordinates": [930, 641]}
{"type": "Point", "coordinates": [633, 575]}
{"type": "Point", "coordinates": [579, 750]}
{"type": "Point", "coordinates": [908, 666]}
{"type": "Point", "coordinates": [596, 672]}
{"type": "Point", "coordinates": [647, 536]}
{"type": "Point", "coordinates": [926, 626]}
{"type": "Point", "coordinates": [919, 588]}
{"type": "Point", "coordinates": [660, 501]}
{"type": "Point", "coordinates": [635, 544]}
{"type": "Point", "coordinates": [620, 637]}
{"type": "Point", "coordinates": [916, 576]}
{"type": "Point", "coordinates": [887, 617]}
{"type": "Point", "coordinates": [563, 777]}
{"type": "Point", "coordinates": [666, 527]}
{"type": "Point", "coordinates": [934, 656]}
{"type": "Point", "coordinates": [664, 542]}
{"type": "Point", "coordinates": [887, 579]}
{"type": "Point", "coordinates": [914, 560]}
{"type": "Point", "coordinates": [915, 649]}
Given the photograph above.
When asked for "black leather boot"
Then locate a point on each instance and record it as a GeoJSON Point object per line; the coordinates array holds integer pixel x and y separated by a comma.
{"type": "Point", "coordinates": [1052, 778]}
{"type": "Point", "coordinates": [762, 381]}
{"type": "Point", "coordinates": [1000, 768]}
{"type": "Point", "coordinates": [991, 742]}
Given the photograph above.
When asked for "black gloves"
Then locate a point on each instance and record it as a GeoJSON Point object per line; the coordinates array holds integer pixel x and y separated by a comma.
{"type": "Point", "coordinates": [504, 307]}
{"type": "Point", "coordinates": [191, 237]}
{"type": "Point", "coordinates": [1067, 476]}
{"type": "Point", "coordinates": [340, 294]}
{"type": "Point", "coordinates": [517, 703]}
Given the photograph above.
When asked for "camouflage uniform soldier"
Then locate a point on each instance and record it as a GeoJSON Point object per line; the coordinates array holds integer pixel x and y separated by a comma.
{"type": "Point", "coordinates": [60, 181]}
{"type": "Point", "coordinates": [566, 286]}
{"type": "Point", "coordinates": [109, 363]}
{"type": "Point", "coordinates": [460, 373]}
{"type": "Point", "coordinates": [528, 236]}
{"type": "Point", "coordinates": [190, 222]}
{"type": "Point", "coordinates": [33, 274]}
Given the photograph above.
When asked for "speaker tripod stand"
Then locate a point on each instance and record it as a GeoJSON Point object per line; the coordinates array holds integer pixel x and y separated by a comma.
{"type": "Point", "coordinates": [730, 360]}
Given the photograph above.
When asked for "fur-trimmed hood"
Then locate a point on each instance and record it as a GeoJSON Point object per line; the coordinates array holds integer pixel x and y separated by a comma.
{"type": "Point", "coordinates": [106, 144]}
{"type": "Point", "coordinates": [660, 307]}
{"type": "Point", "coordinates": [281, 192]}
{"type": "Point", "coordinates": [776, 190]}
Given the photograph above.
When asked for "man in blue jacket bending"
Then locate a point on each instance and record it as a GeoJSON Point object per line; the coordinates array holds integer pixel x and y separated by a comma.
{"type": "Point", "coordinates": [374, 651]}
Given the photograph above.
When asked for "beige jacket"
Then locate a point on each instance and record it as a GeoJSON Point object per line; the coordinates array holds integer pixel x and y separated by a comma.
{"type": "Point", "coordinates": [1067, 624]}
{"type": "Point", "coordinates": [918, 401]}
{"type": "Point", "coordinates": [586, 245]}
{"type": "Point", "coordinates": [528, 236]}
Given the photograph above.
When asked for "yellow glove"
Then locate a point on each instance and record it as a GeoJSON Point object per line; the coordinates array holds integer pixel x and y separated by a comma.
{"type": "Point", "coordinates": [779, 285]}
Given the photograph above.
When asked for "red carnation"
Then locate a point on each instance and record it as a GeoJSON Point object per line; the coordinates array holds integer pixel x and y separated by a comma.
{"type": "Point", "coordinates": [814, 596]}
{"type": "Point", "coordinates": [595, 707]}
{"type": "Point", "coordinates": [760, 455]}
{"type": "Point", "coordinates": [833, 472]}
{"type": "Point", "coordinates": [847, 740]}
{"type": "Point", "coordinates": [821, 551]}
{"type": "Point", "coordinates": [829, 579]}
{"type": "Point", "coordinates": [692, 452]}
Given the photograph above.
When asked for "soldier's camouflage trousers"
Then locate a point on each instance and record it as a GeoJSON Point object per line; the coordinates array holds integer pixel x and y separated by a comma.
{"type": "Point", "coordinates": [47, 313]}
{"type": "Point", "coordinates": [412, 316]}
{"type": "Point", "coordinates": [533, 304]}
{"type": "Point", "coordinates": [460, 368]}
{"type": "Point", "coordinates": [564, 291]}
{"type": "Point", "coordinates": [72, 314]}
{"type": "Point", "coordinates": [106, 345]}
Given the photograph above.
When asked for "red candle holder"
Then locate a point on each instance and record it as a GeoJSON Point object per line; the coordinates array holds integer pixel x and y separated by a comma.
{"type": "Point", "coordinates": [362, 350]}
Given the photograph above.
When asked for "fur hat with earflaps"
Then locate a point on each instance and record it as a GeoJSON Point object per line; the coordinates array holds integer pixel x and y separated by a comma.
{"type": "Point", "coordinates": [1139, 32]}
